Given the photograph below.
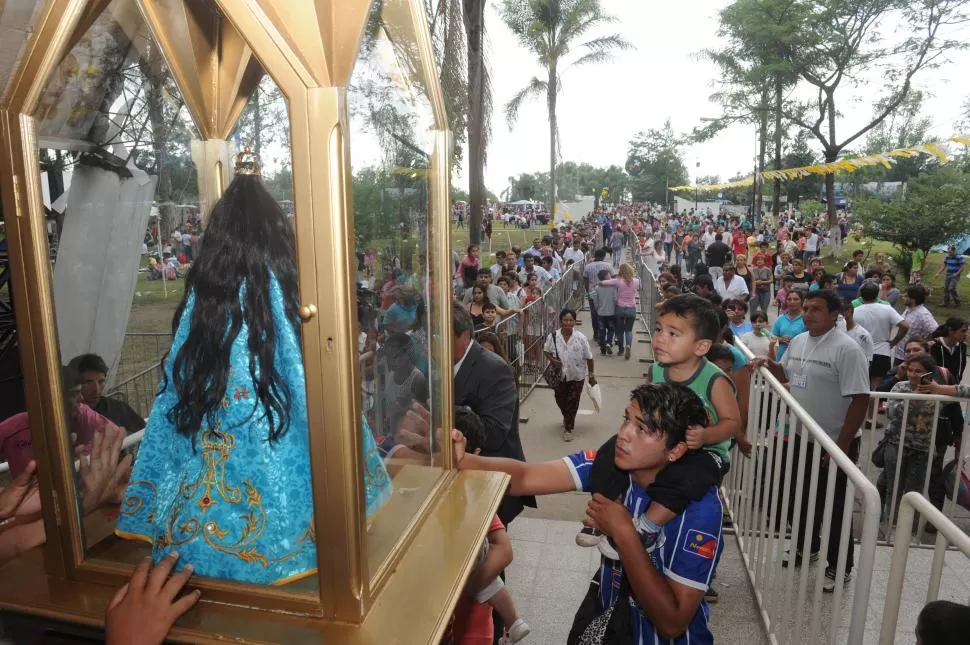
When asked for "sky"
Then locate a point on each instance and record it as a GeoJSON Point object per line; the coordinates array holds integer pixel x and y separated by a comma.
{"type": "Point", "coordinates": [602, 106]}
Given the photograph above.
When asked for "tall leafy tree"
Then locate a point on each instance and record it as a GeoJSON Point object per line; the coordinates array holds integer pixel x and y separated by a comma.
{"type": "Point", "coordinates": [654, 163]}
{"type": "Point", "coordinates": [932, 211]}
{"type": "Point", "coordinates": [553, 30]}
{"type": "Point", "coordinates": [843, 39]}
{"type": "Point", "coordinates": [756, 74]}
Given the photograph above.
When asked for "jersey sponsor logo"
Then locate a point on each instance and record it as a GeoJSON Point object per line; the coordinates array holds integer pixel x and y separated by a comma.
{"type": "Point", "coordinates": [589, 455]}
{"type": "Point", "coordinates": [701, 544]}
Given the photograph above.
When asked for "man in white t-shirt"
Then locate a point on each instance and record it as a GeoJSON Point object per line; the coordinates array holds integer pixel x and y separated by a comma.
{"type": "Point", "coordinates": [729, 285]}
{"type": "Point", "coordinates": [857, 332]}
{"type": "Point", "coordinates": [708, 237]}
{"type": "Point", "coordinates": [879, 319]}
{"type": "Point", "coordinates": [574, 253]}
{"type": "Point", "coordinates": [826, 371]}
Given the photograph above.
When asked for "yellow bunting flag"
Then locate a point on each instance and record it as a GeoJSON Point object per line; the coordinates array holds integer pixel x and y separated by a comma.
{"type": "Point", "coordinates": [885, 159]}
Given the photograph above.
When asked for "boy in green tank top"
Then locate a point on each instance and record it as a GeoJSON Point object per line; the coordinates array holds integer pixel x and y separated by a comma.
{"type": "Point", "coordinates": [687, 326]}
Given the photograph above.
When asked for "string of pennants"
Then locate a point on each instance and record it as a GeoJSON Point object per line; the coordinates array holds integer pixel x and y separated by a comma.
{"type": "Point", "coordinates": [885, 159]}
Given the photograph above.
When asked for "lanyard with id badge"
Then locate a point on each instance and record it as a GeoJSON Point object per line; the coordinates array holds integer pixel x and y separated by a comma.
{"type": "Point", "coordinates": [800, 380]}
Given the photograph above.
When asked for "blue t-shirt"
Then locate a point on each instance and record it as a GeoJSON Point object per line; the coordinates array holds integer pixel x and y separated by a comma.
{"type": "Point", "coordinates": [785, 326]}
{"type": "Point", "coordinates": [953, 264]}
{"type": "Point", "coordinates": [743, 328]}
{"type": "Point", "coordinates": [689, 556]}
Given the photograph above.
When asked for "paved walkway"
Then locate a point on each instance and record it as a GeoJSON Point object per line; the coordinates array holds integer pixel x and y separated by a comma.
{"type": "Point", "coordinates": [550, 574]}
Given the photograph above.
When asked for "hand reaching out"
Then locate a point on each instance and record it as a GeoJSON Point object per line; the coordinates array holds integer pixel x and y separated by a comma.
{"type": "Point", "coordinates": [414, 428]}
{"type": "Point", "coordinates": [21, 498]}
{"type": "Point", "coordinates": [103, 477]}
{"type": "Point", "coordinates": [144, 610]}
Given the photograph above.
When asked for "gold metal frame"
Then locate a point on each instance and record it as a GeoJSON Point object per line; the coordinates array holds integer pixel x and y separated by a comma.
{"type": "Point", "coordinates": [309, 47]}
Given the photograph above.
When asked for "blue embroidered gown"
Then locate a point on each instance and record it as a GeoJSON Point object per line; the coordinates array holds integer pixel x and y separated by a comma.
{"type": "Point", "coordinates": [235, 505]}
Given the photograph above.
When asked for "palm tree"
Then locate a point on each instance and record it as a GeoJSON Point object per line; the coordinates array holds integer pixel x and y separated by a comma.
{"type": "Point", "coordinates": [552, 29]}
{"type": "Point", "coordinates": [458, 32]}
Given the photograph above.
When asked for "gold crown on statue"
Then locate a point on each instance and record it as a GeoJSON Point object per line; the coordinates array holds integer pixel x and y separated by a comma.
{"type": "Point", "coordinates": [247, 162]}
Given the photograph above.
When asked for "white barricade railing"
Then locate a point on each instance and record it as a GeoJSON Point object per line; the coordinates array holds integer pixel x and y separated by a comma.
{"type": "Point", "coordinates": [892, 483]}
{"type": "Point", "coordinates": [775, 500]}
{"type": "Point", "coordinates": [946, 532]}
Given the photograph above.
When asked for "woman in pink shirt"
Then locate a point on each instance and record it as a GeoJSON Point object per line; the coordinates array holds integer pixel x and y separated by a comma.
{"type": "Point", "coordinates": [627, 286]}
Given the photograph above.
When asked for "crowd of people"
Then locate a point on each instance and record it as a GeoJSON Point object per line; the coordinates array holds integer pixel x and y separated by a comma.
{"type": "Point", "coordinates": [655, 483]}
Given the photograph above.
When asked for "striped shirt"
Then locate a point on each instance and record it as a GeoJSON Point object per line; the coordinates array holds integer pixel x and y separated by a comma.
{"type": "Point", "coordinates": [689, 556]}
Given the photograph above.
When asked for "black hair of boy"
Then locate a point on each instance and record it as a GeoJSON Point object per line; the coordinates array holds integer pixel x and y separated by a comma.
{"type": "Point", "coordinates": [669, 409]}
{"type": "Point", "coordinates": [488, 306]}
{"type": "Point", "coordinates": [707, 326]}
{"type": "Point", "coordinates": [917, 292]}
{"type": "Point", "coordinates": [604, 274]}
{"type": "Point", "coordinates": [869, 291]}
{"type": "Point", "coordinates": [942, 622]}
{"type": "Point", "coordinates": [470, 425]}
{"type": "Point", "coordinates": [89, 363]}
{"type": "Point", "coordinates": [666, 407]}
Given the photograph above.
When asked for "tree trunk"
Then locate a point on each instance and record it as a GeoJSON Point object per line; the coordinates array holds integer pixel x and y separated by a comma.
{"type": "Point", "coordinates": [152, 68]}
{"type": "Point", "coordinates": [831, 154]}
{"type": "Point", "coordinates": [257, 141]}
{"type": "Point", "coordinates": [474, 19]}
{"type": "Point", "coordinates": [776, 186]}
{"type": "Point", "coordinates": [551, 100]}
{"type": "Point", "coordinates": [762, 150]}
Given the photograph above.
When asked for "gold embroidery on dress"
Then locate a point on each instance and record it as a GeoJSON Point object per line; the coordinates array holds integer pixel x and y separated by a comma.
{"type": "Point", "coordinates": [212, 488]}
{"type": "Point", "coordinates": [132, 503]}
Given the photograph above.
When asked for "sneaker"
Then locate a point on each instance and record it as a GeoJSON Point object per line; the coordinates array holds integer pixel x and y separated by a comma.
{"type": "Point", "coordinates": [588, 537]}
{"type": "Point", "coordinates": [799, 558]}
{"type": "Point", "coordinates": [626, 354]}
{"type": "Point", "coordinates": [651, 540]}
{"type": "Point", "coordinates": [609, 350]}
{"type": "Point", "coordinates": [607, 548]}
{"type": "Point", "coordinates": [519, 630]}
{"type": "Point", "coordinates": [829, 585]}
{"type": "Point", "coordinates": [710, 596]}
{"type": "Point", "coordinates": [567, 435]}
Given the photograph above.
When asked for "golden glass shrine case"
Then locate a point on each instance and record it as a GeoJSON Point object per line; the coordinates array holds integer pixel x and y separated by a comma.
{"type": "Point", "coordinates": [118, 128]}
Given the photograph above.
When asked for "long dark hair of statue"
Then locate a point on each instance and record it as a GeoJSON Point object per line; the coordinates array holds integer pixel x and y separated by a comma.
{"type": "Point", "coordinates": [247, 237]}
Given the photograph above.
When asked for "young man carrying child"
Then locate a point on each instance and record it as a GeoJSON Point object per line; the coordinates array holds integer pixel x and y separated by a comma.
{"type": "Point", "coordinates": [662, 589]}
{"type": "Point", "coordinates": [687, 326]}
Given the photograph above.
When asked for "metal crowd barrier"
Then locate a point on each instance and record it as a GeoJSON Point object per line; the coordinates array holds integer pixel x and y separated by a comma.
{"type": "Point", "coordinates": [649, 294]}
{"type": "Point", "coordinates": [777, 502]}
{"type": "Point", "coordinates": [523, 334]}
{"type": "Point", "coordinates": [946, 533]}
{"type": "Point", "coordinates": [927, 466]}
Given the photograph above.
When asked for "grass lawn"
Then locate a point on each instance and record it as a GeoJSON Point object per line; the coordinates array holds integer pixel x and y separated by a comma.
{"type": "Point", "coordinates": [502, 239]}
{"type": "Point", "coordinates": [931, 277]}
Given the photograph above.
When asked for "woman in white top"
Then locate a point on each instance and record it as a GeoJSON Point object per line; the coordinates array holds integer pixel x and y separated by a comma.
{"type": "Point", "coordinates": [569, 350]}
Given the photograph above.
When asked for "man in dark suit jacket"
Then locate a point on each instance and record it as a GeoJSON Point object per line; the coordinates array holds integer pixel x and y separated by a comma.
{"type": "Point", "coordinates": [484, 383]}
